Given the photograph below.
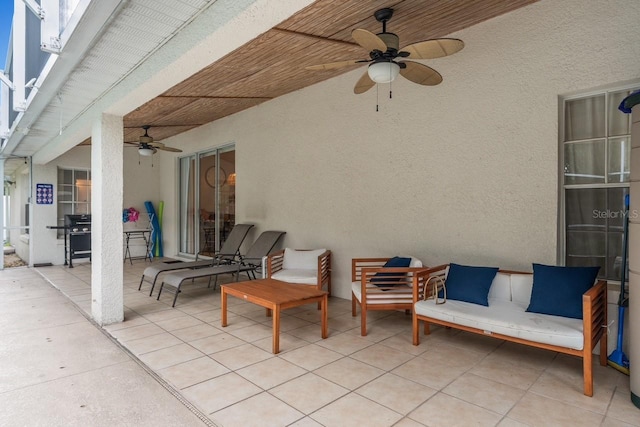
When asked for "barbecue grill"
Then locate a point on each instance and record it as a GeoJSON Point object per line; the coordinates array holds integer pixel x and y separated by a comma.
{"type": "Point", "coordinates": [79, 229]}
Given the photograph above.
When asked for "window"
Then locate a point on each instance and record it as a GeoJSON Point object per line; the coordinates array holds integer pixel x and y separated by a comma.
{"type": "Point", "coordinates": [74, 193]}
{"type": "Point", "coordinates": [595, 154]}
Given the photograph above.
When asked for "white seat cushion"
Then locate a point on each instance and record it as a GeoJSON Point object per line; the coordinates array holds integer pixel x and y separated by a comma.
{"type": "Point", "coordinates": [399, 295]}
{"type": "Point", "coordinates": [303, 277]}
{"type": "Point", "coordinates": [509, 319]}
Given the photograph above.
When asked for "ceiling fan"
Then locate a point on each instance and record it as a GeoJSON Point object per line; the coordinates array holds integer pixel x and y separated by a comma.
{"type": "Point", "coordinates": [147, 147]}
{"type": "Point", "coordinates": [384, 53]}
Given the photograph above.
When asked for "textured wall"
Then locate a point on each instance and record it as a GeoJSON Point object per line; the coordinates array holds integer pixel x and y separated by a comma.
{"type": "Point", "coordinates": [466, 171]}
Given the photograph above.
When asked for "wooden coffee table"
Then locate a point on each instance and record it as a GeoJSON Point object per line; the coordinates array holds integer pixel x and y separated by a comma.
{"type": "Point", "coordinates": [275, 296]}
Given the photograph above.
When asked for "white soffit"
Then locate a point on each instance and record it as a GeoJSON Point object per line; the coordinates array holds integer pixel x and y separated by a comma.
{"type": "Point", "coordinates": [141, 27]}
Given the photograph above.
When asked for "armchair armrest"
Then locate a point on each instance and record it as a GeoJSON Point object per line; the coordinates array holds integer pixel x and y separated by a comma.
{"type": "Point", "coordinates": [594, 317]}
{"type": "Point", "coordinates": [324, 269]}
{"type": "Point", "coordinates": [357, 264]}
{"type": "Point", "coordinates": [274, 262]}
{"type": "Point", "coordinates": [424, 283]}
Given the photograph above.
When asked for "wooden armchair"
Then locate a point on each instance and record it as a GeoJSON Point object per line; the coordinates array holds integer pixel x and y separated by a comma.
{"type": "Point", "coordinates": [394, 290]}
{"type": "Point", "coordinates": [301, 266]}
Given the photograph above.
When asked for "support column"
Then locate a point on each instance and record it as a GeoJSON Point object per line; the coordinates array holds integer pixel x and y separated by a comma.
{"type": "Point", "coordinates": [106, 220]}
{"type": "Point", "coordinates": [633, 330]}
{"type": "Point", "coordinates": [2, 224]}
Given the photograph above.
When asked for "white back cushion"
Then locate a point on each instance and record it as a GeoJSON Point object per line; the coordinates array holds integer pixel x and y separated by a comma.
{"type": "Point", "coordinates": [521, 286]}
{"type": "Point", "coordinates": [500, 287]}
{"type": "Point", "coordinates": [301, 260]}
{"type": "Point", "coordinates": [414, 263]}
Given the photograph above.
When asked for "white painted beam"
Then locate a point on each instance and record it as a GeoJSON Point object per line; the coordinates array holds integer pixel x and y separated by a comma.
{"type": "Point", "coordinates": [34, 7]}
{"type": "Point", "coordinates": [5, 79]}
{"type": "Point", "coordinates": [4, 109]}
{"type": "Point", "coordinates": [50, 28]}
{"type": "Point", "coordinates": [19, 54]}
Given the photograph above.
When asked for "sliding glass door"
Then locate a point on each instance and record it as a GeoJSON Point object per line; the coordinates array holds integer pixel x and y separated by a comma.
{"type": "Point", "coordinates": [207, 203]}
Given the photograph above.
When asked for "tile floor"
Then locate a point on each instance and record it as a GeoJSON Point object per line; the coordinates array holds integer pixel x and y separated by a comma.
{"type": "Point", "coordinates": [452, 378]}
{"type": "Point", "coordinates": [58, 369]}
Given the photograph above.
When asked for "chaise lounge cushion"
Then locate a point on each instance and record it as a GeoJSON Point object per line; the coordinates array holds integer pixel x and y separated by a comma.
{"type": "Point", "coordinates": [558, 290]}
{"type": "Point", "coordinates": [469, 284]}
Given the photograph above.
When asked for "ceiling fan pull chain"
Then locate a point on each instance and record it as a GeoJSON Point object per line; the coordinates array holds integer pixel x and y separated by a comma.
{"type": "Point", "coordinates": [377, 97]}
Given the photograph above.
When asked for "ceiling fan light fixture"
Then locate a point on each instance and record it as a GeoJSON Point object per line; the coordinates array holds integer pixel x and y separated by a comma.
{"type": "Point", "coordinates": [383, 71]}
{"type": "Point", "coordinates": [146, 151]}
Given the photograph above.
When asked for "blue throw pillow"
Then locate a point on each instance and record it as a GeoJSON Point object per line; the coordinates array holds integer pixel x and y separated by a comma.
{"type": "Point", "coordinates": [469, 284]}
{"type": "Point", "coordinates": [396, 262]}
{"type": "Point", "coordinates": [558, 290]}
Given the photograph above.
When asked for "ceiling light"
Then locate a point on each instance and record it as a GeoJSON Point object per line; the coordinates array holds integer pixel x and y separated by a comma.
{"type": "Point", "coordinates": [146, 151]}
{"type": "Point", "coordinates": [383, 72]}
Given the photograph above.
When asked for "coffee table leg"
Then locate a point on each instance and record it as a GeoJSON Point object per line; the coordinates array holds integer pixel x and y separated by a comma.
{"type": "Point", "coordinates": [276, 330]}
{"type": "Point", "coordinates": [223, 308]}
{"type": "Point", "coordinates": [325, 315]}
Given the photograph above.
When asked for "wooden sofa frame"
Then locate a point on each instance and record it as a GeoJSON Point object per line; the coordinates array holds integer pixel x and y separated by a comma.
{"type": "Point", "coordinates": [363, 270]}
{"type": "Point", "coordinates": [594, 320]}
{"type": "Point", "coordinates": [276, 259]}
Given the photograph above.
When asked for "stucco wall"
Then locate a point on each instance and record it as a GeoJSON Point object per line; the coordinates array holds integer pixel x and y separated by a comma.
{"type": "Point", "coordinates": [466, 171]}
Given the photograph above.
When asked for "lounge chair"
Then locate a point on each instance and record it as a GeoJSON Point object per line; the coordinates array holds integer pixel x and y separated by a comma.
{"type": "Point", "coordinates": [229, 253]}
{"type": "Point", "coordinates": [248, 264]}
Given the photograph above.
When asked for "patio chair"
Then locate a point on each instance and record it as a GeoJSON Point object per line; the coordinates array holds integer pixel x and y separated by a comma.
{"type": "Point", "coordinates": [376, 287]}
{"type": "Point", "coordinates": [230, 252]}
{"type": "Point", "coordinates": [301, 266]}
{"type": "Point", "coordinates": [249, 264]}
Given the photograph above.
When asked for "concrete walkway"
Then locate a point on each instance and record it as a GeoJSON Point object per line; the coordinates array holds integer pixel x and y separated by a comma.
{"type": "Point", "coordinates": [58, 369]}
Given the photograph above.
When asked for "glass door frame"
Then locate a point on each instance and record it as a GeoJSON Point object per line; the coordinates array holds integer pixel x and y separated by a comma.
{"type": "Point", "coordinates": [196, 158]}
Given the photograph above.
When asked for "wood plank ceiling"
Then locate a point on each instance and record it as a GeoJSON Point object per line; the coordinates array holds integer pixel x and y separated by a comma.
{"type": "Point", "coordinates": [274, 63]}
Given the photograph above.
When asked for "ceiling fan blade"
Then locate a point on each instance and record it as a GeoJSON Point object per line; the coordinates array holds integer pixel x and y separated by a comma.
{"type": "Point", "coordinates": [161, 146]}
{"type": "Point", "coordinates": [333, 65]}
{"type": "Point", "coordinates": [421, 74]}
{"type": "Point", "coordinates": [368, 40]}
{"type": "Point", "coordinates": [173, 150]}
{"type": "Point", "coordinates": [436, 48]}
{"type": "Point", "coordinates": [364, 84]}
